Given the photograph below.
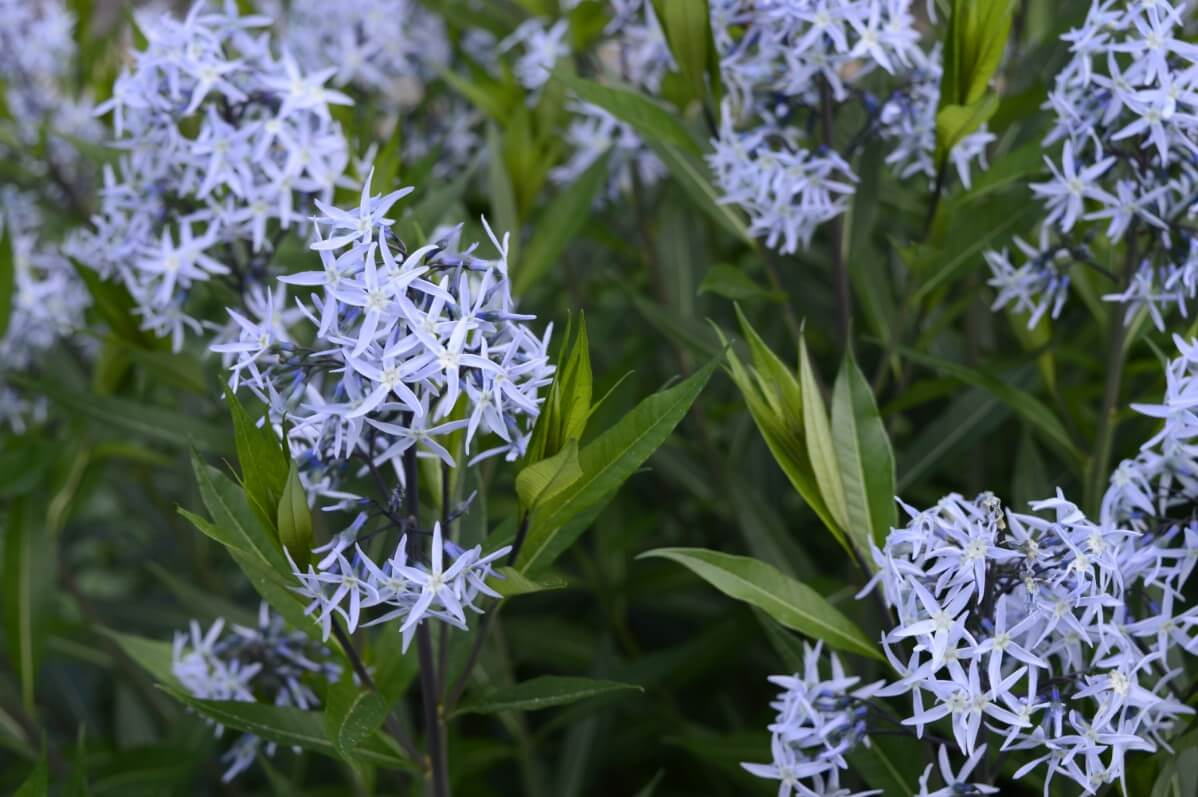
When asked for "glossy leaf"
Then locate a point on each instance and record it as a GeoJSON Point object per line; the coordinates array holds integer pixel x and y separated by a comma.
{"type": "Point", "coordinates": [263, 462]}
{"type": "Point", "coordinates": [232, 518]}
{"type": "Point", "coordinates": [609, 460]}
{"type": "Point", "coordinates": [653, 123]}
{"type": "Point", "coordinates": [351, 714]}
{"type": "Point", "coordinates": [821, 448]}
{"type": "Point", "coordinates": [511, 582]}
{"type": "Point", "coordinates": [790, 602]}
{"type": "Point", "coordinates": [865, 458]}
{"type": "Point", "coordinates": [567, 405]}
{"type": "Point", "coordinates": [295, 519]}
{"type": "Point", "coordinates": [543, 481]}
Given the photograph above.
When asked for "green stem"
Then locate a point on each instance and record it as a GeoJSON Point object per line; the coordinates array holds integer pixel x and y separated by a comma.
{"type": "Point", "coordinates": [1100, 459]}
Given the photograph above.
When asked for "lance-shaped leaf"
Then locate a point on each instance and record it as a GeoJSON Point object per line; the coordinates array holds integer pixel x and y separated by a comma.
{"type": "Point", "coordinates": [233, 521]}
{"type": "Point", "coordinates": [774, 396]}
{"type": "Point", "coordinates": [865, 458]}
{"type": "Point", "coordinates": [687, 27]}
{"type": "Point", "coordinates": [152, 655]}
{"type": "Point", "coordinates": [263, 461]}
{"type": "Point", "coordinates": [790, 602]}
{"type": "Point", "coordinates": [546, 691]}
{"type": "Point", "coordinates": [543, 481]}
{"type": "Point", "coordinates": [670, 140]}
{"type": "Point", "coordinates": [28, 592]}
{"type": "Point", "coordinates": [351, 714]}
{"type": "Point", "coordinates": [293, 727]}
{"type": "Point", "coordinates": [1027, 406]}
{"type": "Point", "coordinates": [567, 404]}
{"type": "Point", "coordinates": [295, 520]}
{"type": "Point", "coordinates": [561, 222]}
{"type": "Point", "coordinates": [607, 462]}
{"type": "Point", "coordinates": [510, 582]}
{"type": "Point", "coordinates": [168, 426]}
{"type": "Point", "coordinates": [955, 122]}
{"type": "Point", "coordinates": [975, 39]}
{"type": "Point", "coordinates": [820, 446]}
{"type": "Point", "coordinates": [652, 122]}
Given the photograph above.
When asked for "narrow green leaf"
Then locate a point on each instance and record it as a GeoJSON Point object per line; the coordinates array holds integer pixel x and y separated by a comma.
{"type": "Point", "coordinates": [562, 220]}
{"type": "Point", "coordinates": [694, 178]}
{"type": "Point", "coordinates": [233, 518]}
{"type": "Point", "coordinates": [152, 655]}
{"type": "Point", "coordinates": [732, 283]}
{"type": "Point", "coordinates": [790, 602]}
{"type": "Point", "coordinates": [295, 519]}
{"type": "Point", "coordinates": [1023, 403]}
{"type": "Point", "coordinates": [567, 405]}
{"type": "Point", "coordinates": [670, 140]}
{"type": "Point", "coordinates": [687, 28]}
{"type": "Point", "coordinates": [865, 458]}
{"type": "Point", "coordinates": [263, 461]}
{"type": "Point", "coordinates": [23, 464]}
{"type": "Point", "coordinates": [115, 306]}
{"type": "Point", "coordinates": [543, 481]}
{"type": "Point", "coordinates": [546, 691]}
{"type": "Point", "coordinates": [652, 122]}
{"type": "Point", "coordinates": [275, 588]}
{"type": "Point", "coordinates": [292, 727]}
{"type": "Point", "coordinates": [168, 426]}
{"type": "Point", "coordinates": [783, 434]}
{"type": "Point", "coordinates": [609, 460]}
{"type": "Point", "coordinates": [28, 592]}
{"type": "Point", "coordinates": [351, 714]}
{"type": "Point", "coordinates": [955, 122]}
{"type": "Point", "coordinates": [512, 582]}
{"type": "Point", "coordinates": [821, 449]}
{"type": "Point", "coordinates": [501, 190]}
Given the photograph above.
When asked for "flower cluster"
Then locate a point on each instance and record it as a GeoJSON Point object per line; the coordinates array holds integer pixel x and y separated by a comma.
{"type": "Point", "coordinates": [1049, 635]}
{"type": "Point", "coordinates": [48, 301]}
{"type": "Point", "coordinates": [388, 47]}
{"type": "Point", "coordinates": [225, 147]}
{"type": "Point", "coordinates": [1124, 115]}
{"type": "Point", "coordinates": [38, 94]}
{"type": "Point", "coordinates": [409, 346]}
{"type": "Point", "coordinates": [269, 663]}
{"type": "Point", "coordinates": [788, 68]}
{"type": "Point", "coordinates": [356, 586]}
{"type": "Point", "coordinates": [817, 722]}
{"type": "Point", "coordinates": [537, 46]}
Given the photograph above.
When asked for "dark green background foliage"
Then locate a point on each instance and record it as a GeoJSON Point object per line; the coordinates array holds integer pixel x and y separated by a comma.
{"type": "Point", "coordinates": [94, 544]}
